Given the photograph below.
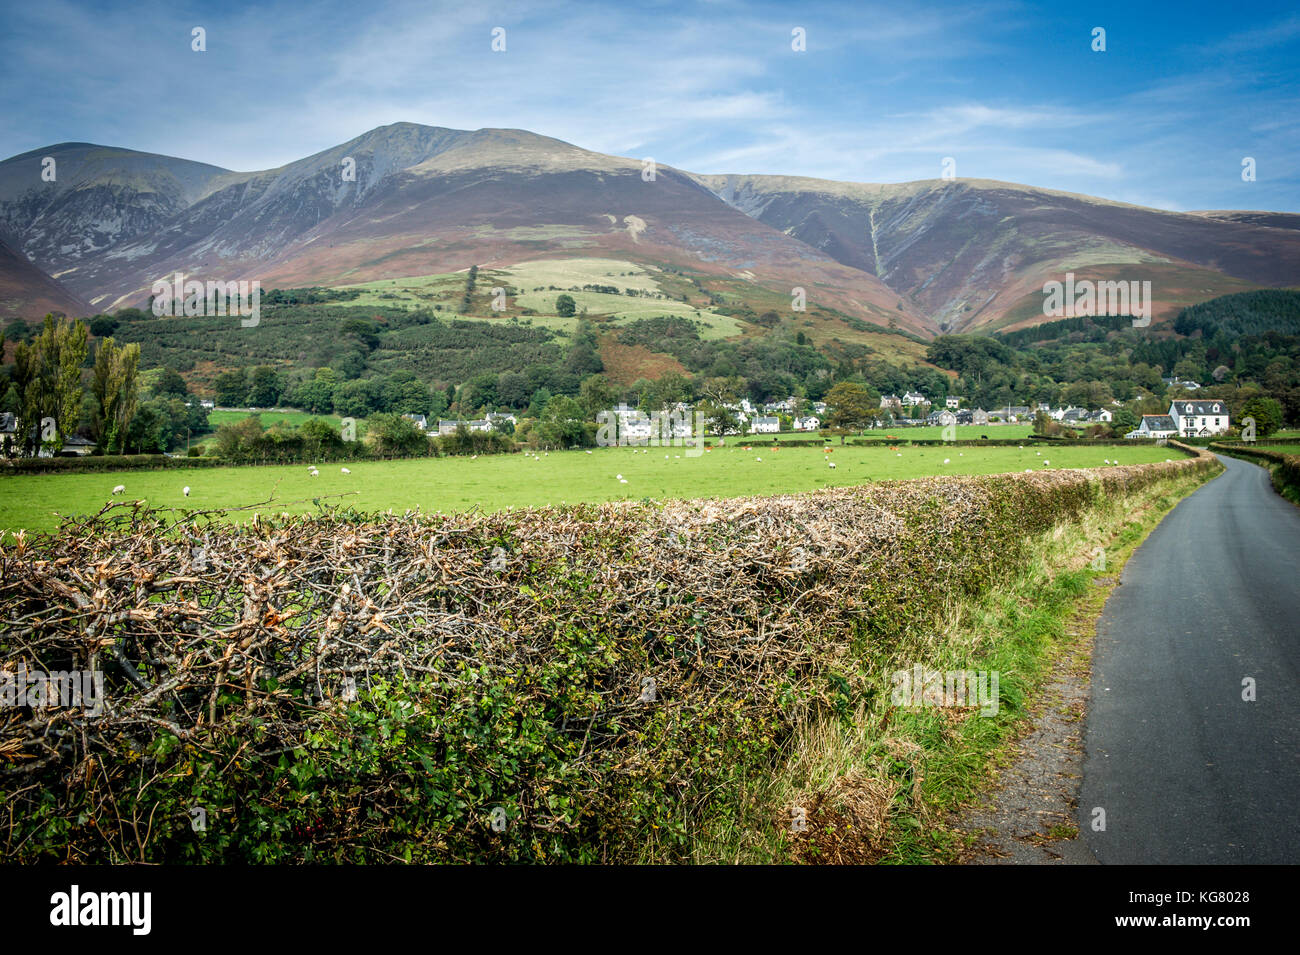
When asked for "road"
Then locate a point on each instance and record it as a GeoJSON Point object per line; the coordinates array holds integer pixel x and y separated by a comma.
{"type": "Point", "coordinates": [1185, 769]}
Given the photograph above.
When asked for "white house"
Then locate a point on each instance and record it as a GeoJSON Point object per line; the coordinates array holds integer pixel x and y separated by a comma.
{"type": "Point", "coordinates": [952, 402]}
{"type": "Point", "coordinates": [1199, 419]}
{"type": "Point", "coordinates": [787, 406]}
{"type": "Point", "coordinates": [808, 423]}
{"type": "Point", "coordinates": [890, 402]}
{"type": "Point", "coordinates": [419, 420]}
{"type": "Point", "coordinates": [1155, 426]}
{"type": "Point", "coordinates": [765, 424]}
{"type": "Point", "coordinates": [446, 426]}
{"type": "Point", "coordinates": [914, 398]}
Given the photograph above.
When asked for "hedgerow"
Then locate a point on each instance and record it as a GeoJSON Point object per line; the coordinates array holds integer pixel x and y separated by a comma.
{"type": "Point", "coordinates": [573, 684]}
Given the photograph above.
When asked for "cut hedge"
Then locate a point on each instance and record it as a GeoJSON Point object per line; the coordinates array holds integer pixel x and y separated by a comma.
{"type": "Point", "coordinates": [581, 684]}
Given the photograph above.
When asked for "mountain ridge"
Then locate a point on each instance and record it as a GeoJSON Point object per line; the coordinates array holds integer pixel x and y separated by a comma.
{"type": "Point", "coordinates": [928, 255]}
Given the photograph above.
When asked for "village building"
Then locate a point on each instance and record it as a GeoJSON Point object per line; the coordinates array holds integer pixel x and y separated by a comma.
{"type": "Point", "coordinates": [1199, 419]}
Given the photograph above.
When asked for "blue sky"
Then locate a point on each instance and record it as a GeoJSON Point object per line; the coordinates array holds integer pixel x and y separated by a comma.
{"type": "Point", "coordinates": [882, 93]}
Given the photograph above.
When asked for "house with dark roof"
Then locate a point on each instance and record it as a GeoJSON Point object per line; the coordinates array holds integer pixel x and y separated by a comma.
{"type": "Point", "coordinates": [1155, 426]}
{"type": "Point", "coordinates": [1199, 419]}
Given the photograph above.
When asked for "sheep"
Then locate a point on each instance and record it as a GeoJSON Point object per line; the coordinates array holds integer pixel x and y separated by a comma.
{"type": "Point", "coordinates": [120, 489]}
{"type": "Point", "coordinates": [345, 470]}
{"type": "Point", "coordinates": [947, 460]}
{"type": "Point", "coordinates": [618, 476]}
{"type": "Point", "coordinates": [186, 490]}
{"type": "Point", "coordinates": [831, 464]}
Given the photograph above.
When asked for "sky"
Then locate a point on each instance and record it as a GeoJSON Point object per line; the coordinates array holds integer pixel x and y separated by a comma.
{"type": "Point", "coordinates": [1164, 116]}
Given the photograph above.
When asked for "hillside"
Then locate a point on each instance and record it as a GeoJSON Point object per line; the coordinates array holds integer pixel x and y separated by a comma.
{"type": "Point", "coordinates": [27, 292]}
{"type": "Point", "coordinates": [425, 203]}
{"type": "Point", "coordinates": [428, 200]}
{"type": "Point", "coordinates": [974, 254]}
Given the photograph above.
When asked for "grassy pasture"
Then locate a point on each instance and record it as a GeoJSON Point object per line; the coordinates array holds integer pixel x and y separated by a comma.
{"type": "Point", "coordinates": [446, 290]}
{"type": "Point", "coordinates": [295, 418]}
{"type": "Point", "coordinates": [497, 481]}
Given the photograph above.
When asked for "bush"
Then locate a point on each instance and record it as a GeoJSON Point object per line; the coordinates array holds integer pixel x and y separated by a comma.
{"type": "Point", "coordinates": [104, 462]}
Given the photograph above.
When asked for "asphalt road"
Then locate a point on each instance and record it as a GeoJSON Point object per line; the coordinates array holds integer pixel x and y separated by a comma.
{"type": "Point", "coordinates": [1186, 771]}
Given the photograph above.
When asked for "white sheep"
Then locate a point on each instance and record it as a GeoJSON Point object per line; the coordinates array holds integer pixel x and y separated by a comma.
{"type": "Point", "coordinates": [186, 490]}
{"type": "Point", "coordinates": [947, 460]}
{"type": "Point", "coordinates": [831, 465]}
{"type": "Point", "coordinates": [120, 489]}
{"type": "Point", "coordinates": [345, 470]}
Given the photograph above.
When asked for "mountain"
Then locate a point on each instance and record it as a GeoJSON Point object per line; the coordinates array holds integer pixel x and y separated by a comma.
{"type": "Point", "coordinates": [973, 254]}
{"type": "Point", "coordinates": [920, 257]}
{"type": "Point", "coordinates": [27, 292]}
{"type": "Point", "coordinates": [1275, 220]}
{"type": "Point", "coordinates": [98, 198]}
{"type": "Point", "coordinates": [427, 200]}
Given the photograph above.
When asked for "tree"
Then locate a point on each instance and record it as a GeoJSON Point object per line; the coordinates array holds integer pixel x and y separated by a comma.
{"type": "Point", "coordinates": [403, 393]}
{"type": "Point", "coordinates": [563, 424]}
{"type": "Point", "coordinates": [231, 388]}
{"type": "Point", "coordinates": [355, 399]}
{"type": "Point", "coordinates": [265, 388]}
{"type": "Point", "coordinates": [1124, 421]}
{"type": "Point", "coordinates": [169, 382]}
{"type": "Point", "coordinates": [48, 376]}
{"type": "Point", "coordinates": [849, 408]}
{"type": "Point", "coordinates": [116, 391]}
{"type": "Point", "coordinates": [597, 395]}
{"type": "Point", "coordinates": [391, 434]}
{"type": "Point", "coordinates": [319, 436]}
{"type": "Point", "coordinates": [565, 306]}
{"type": "Point", "coordinates": [1267, 413]}
{"type": "Point", "coordinates": [101, 326]}
{"type": "Point", "coordinates": [718, 419]}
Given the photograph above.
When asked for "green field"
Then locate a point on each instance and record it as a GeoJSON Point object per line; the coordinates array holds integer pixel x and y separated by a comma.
{"type": "Point", "coordinates": [294, 418]}
{"type": "Point", "coordinates": [497, 481]}
{"type": "Point", "coordinates": [532, 282]}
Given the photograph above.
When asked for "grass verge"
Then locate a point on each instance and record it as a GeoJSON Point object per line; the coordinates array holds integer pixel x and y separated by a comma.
{"type": "Point", "coordinates": [883, 787]}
